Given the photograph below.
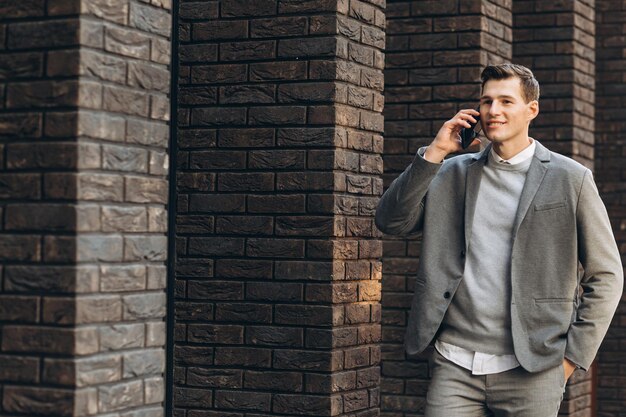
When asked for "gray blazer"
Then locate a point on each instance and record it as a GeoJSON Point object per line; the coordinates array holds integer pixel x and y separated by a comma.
{"type": "Point", "coordinates": [561, 224]}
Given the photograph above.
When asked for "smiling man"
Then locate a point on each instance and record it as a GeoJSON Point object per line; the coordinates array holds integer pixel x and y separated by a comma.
{"type": "Point", "coordinates": [519, 272]}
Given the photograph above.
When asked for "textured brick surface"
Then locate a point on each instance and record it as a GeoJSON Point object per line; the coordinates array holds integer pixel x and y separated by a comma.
{"type": "Point", "coordinates": [610, 168]}
{"type": "Point", "coordinates": [278, 272]}
{"type": "Point", "coordinates": [557, 42]}
{"type": "Point", "coordinates": [435, 53]}
{"type": "Point", "coordinates": [278, 280]}
{"type": "Point", "coordinates": [84, 119]}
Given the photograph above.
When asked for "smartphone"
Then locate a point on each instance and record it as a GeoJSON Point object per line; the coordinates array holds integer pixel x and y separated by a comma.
{"type": "Point", "coordinates": [469, 134]}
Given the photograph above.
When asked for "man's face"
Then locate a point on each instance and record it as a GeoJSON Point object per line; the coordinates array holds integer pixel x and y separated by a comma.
{"type": "Point", "coordinates": [504, 115]}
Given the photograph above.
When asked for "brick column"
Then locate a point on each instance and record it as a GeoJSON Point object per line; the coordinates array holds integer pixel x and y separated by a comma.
{"type": "Point", "coordinates": [436, 51]}
{"type": "Point", "coordinates": [556, 40]}
{"type": "Point", "coordinates": [83, 191]}
{"type": "Point", "coordinates": [277, 274]}
{"type": "Point", "coordinates": [610, 165]}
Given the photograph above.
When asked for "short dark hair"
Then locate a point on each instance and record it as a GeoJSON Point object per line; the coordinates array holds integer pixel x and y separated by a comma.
{"type": "Point", "coordinates": [530, 85]}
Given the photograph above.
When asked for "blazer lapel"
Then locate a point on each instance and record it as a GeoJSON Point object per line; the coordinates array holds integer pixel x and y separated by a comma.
{"type": "Point", "coordinates": [472, 183]}
{"type": "Point", "coordinates": [534, 177]}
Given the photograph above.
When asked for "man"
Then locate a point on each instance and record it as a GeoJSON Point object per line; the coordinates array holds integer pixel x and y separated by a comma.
{"type": "Point", "coordinates": [510, 237]}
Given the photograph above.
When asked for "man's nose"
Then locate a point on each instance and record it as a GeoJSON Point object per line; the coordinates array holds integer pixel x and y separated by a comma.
{"type": "Point", "coordinates": [494, 109]}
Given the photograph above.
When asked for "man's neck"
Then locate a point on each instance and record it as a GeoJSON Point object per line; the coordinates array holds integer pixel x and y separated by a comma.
{"type": "Point", "coordinates": [508, 149]}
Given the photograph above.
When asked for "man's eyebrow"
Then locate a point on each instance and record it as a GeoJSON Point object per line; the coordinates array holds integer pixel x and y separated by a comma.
{"type": "Point", "coordinates": [504, 96]}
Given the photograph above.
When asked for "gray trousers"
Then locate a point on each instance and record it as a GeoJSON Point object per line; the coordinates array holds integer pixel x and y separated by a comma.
{"type": "Point", "coordinates": [455, 392]}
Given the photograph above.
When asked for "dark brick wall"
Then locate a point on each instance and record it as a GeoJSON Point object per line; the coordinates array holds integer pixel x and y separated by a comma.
{"type": "Point", "coordinates": [435, 53]}
{"type": "Point", "coordinates": [555, 39]}
{"type": "Point", "coordinates": [610, 164]}
{"type": "Point", "coordinates": [83, 193]}
{"type": "Point", "coordinates": [278, 277]}
{"type": "Point", "coordinates": [278, 271]}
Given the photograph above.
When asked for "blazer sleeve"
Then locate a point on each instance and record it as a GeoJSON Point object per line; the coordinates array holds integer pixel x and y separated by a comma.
{"type": "Point", "coordinates": [400, 210]}
{"type": "Point", "coordinates": [603, 277]}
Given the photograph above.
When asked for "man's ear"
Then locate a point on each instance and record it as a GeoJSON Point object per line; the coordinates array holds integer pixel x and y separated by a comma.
{"type": "Point", "coordinates": [533, 110]}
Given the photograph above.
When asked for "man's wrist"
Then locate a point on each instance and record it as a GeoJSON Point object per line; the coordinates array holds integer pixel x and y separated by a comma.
{"type": "Point", "coordinates": [568, 368]}
{"type": "Point", "coordinates": [572, 363]}
{"type": "Point", "coordinates": [434, 155]}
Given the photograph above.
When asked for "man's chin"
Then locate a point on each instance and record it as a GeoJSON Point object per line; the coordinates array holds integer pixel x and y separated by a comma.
{"type": "Point", "coordinates": [496, 138]}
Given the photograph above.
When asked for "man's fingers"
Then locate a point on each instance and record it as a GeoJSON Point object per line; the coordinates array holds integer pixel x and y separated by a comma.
{"type": "Point", "coordinates": [471, 112]}
{"type": "Point", "coordinates": [465, 122]}
{"type": "Point", "coordinates": [466, 116]}
{"type": "Point", "coordinates": [463, 118]}
{"type": "Point", "coordinates": [448, 135]}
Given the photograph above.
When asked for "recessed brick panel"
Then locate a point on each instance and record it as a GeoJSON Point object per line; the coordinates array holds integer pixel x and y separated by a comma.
{"type": "Point", "coordinates": [435, 52]}
{"type": "Point", "coordinates": [557, 43]}
{"type": "Point", "coordinates": [610, 175]}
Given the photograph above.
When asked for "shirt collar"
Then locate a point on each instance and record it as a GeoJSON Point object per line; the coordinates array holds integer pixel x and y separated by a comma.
{"type": "Point", "coordinates": [521, 156]}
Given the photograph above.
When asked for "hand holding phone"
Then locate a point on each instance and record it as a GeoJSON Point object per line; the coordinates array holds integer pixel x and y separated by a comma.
{"type": "Point", "coordinates": [469, 134]}
{"type": "Point", "coordinates": [461, 126]}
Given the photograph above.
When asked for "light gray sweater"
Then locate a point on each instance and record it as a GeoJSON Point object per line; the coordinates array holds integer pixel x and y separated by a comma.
{"type": "Point", "coordinates": [479, 317]}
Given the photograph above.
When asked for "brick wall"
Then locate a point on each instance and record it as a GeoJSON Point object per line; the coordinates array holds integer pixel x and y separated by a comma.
{"type": "Point", "coordinates": [610, 164]}
{"type": "Point", "coordinates": [83, 139]}
{"type": "Point", "coordinates": [556, 40]}
{"type": "Point", "coordinates": [278, 273]}
{"type": "Point", "coordinates": [435, 53]}
{"type": "Point", "coordinates": [277, 282]}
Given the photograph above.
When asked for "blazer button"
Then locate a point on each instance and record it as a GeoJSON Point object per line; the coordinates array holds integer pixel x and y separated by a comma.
{"type": "Point", "coordinates": [446, 294]}
{"type": "Point", "coordinates": [462, 253]}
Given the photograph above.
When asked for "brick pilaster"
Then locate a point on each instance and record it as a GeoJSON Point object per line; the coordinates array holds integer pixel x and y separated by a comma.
{"type": "Point", "coordinates": [435, 53]}
{"type": "Point", "coordinates": [84, 113]}
{"type": "Point", "coordinates": [556, 40]}
{"type": "Point", "coordinates": [610, 168]}
{"type": "Point", "coordinates": [277, 277]}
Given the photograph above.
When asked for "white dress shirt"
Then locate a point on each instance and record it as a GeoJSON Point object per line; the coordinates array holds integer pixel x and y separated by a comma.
{"type": "Point", "coordinates": [521, 156]}
{"type": "Point", "coordinates": [478, 362]}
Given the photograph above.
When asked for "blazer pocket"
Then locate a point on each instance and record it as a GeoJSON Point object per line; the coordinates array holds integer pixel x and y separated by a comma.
{"type": "Point", "coordinates": [553, 300]}
{"type": "Point", "coordinates": [549, 206]}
